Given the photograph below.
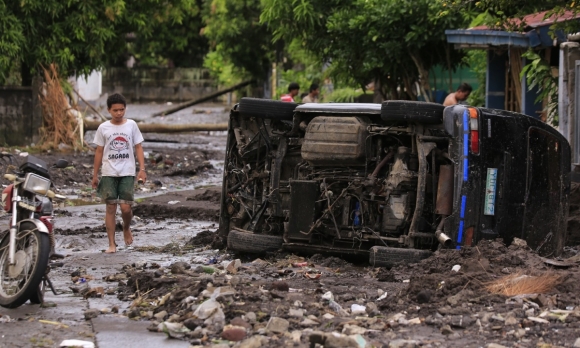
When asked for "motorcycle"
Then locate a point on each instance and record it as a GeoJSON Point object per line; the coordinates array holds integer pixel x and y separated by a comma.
{"type": "Point", "coordinates": [26, 248]}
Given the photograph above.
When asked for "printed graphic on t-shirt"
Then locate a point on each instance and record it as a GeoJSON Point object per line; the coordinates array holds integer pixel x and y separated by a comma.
{"type": "Point", "coordinates": [119, 145]}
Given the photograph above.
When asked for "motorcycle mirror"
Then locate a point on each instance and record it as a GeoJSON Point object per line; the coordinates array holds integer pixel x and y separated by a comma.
{"type": "Point", "coordinates": [61, 163]}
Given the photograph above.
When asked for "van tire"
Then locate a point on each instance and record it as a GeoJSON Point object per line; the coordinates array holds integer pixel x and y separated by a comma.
{"type": "Point", "coordinates": [412, 111]}
{"type": "Point", "coordinates": [253, 243]}
{"type": "Point", "coordinates": [266, 108]}
{"type": "Point", "coordinates": [380, 256]}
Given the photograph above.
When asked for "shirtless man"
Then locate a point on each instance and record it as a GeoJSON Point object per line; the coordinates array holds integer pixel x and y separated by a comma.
{"type": "Point", "coordinates": [460, 95]}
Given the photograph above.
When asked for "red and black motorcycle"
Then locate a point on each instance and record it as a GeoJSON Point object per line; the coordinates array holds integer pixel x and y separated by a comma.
{"type": "Point", "coordinates": [25, 249]}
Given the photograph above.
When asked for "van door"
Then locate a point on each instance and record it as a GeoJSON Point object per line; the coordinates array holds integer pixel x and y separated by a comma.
{"type": "Point", "coordinates": [542, 225]}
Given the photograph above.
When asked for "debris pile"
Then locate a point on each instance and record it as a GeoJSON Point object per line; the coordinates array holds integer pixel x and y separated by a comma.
{"type": "Point", "coordinates": [473, 295]}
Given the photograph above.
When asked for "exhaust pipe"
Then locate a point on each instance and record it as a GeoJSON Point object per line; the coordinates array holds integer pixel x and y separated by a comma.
{"type": "Point", "coordinates": [444, 239]}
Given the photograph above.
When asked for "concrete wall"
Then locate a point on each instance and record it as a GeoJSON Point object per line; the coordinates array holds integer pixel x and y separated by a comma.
{"type": "Point", "coordinates": [20, 116]}
{"type": "Point", "coordinates": [158, 84]}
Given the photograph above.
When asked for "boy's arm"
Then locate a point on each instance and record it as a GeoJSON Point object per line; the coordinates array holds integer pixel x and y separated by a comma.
{"type": "Point", "coordinates": [97, 165]}
{"type": "Point", "coordinates": [142, 175]}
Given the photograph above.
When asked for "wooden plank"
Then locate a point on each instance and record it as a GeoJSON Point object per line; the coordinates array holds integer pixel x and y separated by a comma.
{"type": "Point", "coordinates": [168, 128]}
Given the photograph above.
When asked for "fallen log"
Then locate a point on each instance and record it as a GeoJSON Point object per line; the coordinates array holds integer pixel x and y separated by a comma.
{"type": "Point", "coordinates": [168, 128]}
{"type": "Point", "coordinates": [202, 99]}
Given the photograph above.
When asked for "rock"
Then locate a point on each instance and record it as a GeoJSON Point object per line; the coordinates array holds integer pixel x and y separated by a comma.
{"type": "Point", "coordinates": [424, 296]}
{"type": "Point", "coordinates": [235, 280]}
{"type": "Point", "coordinates": [105, 310]}
{"type": "Point", "coordinates": [180, 267]}
{"type": "Point", "coordinates": [296, 336]}
{"type": "Point", "coordinates": [251, 316]}
{"type": "Point", "coordinates": [115, 309]}
{"type": "Point", "coordinates": [495, 345]}
{"type": "Point", "coordinates": [328, 296]}
{"type": "Point", "coordinates": [372, 308]}
{"type": "Point", "coordinates": [414, 321]}
{"type": "Point", "coordinates": [522, 332]}
{"type": "Point", "coordinates": [233, 333]}
{"type": "Point", "coordinates": [461, 321]}
{"type": "Point", "coordinates": [233, 266]}
{"type": "Point", "coordinates": [401, 343]}
{"type": "Point", "coordinates": [454, 300]}
{"type": "Point", "coordinates": [254, 342]}
{"type": "Point", "coordinates": [317, 337]}
{"type": "Point", "coordinates": [237, 321]}
{"type": "Point", "coordinates": [446, 330]}
{"type": "Point", "coordinates": [328, 316]}
{"type": "Point", "coordinates": [160, 316]}
{"type": "Point", "coordinates": [296, 313]}
{"type": "Point", "coordinates": [353, 330]}
{"type": "Point", "coordinates": [91, 313]}
{"type": "Point", "coordinates": [511, 321]}
{"type": "Point", "coordinates": [339, 341]}
{"type": "Point", "coordinates": [308, 322]}
{"type": "Point", "coordinates": [577, 343]}
{"type": "Point", "coordinates": [280, 286]}
{"type": "Point", "coordinates": [193, 323]}
{"type": "Point", "coordinates": [277, 325]}
{"type": "Point", "coordinates": [134, 313]}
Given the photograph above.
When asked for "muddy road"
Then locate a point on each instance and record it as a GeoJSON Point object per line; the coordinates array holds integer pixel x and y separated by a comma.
{"type": "Point", "coordinates": [173, 288]}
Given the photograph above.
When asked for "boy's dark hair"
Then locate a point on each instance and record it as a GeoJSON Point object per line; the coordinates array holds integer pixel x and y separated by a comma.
{"type": "Point", "coordinates": [116, 98]}
{"type": "Point", "coordinates": [293, 86]}
{"type": "Point", "coordinates": [464, 87]}
{"type": "Point", "coordinates": [313, 87]}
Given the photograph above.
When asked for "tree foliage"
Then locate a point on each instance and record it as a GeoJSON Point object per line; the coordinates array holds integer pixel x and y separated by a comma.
{"type": "Point", "coordinates": [391, 42]}
{"type": "Point", "coordinates": [240, 46]}
{"type": "Point", "coordinates": [79, 35]}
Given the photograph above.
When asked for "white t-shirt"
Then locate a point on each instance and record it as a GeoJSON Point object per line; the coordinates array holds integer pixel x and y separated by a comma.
{"type": "Point", "coordinates": [118, 142]}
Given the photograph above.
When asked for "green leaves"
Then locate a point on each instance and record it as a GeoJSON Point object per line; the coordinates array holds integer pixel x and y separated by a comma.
{"type": "Point", "coordinates": [538, 74]}
{"type": "Point", "coordinates": [368, 40]}
{"type": "Point", "coordinates": [82, 35]}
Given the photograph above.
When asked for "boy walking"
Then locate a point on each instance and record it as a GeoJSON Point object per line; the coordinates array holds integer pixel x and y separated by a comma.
{"type": "Point", "coordinates": [118, 143]}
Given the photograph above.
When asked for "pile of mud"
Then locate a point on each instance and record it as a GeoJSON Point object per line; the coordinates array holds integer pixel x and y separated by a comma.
{"type": "Point", "coordinates": [295, 301]}
{"type": "Point", "coordinates": [188, 204]}
{"type": "Point", "coordinates": [433, 281]}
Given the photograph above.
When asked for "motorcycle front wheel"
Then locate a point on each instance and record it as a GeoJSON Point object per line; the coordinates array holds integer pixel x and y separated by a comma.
{"type": "Point", "coordinates": [21, 281]}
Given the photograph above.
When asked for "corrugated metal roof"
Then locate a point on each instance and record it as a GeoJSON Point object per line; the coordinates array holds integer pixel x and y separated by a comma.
{"type": "Point", "coordinates": [487, 38]}
{"type": "Point", "coordinates": [535, 32]}
{"type": "Point", "coordinates": [536, 20]}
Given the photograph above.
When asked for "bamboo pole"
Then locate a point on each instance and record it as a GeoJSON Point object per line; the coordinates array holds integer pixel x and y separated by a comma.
{"type": "Point", "coordinates": [202, 99]}
{"type": "Point", "coordinates": [90, 106]}
{"type": "Point", "coordinates": [169, 128]}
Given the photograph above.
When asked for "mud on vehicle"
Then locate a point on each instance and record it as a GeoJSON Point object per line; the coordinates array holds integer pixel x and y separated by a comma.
{"type": "Point", "coordinates": [392, 181]}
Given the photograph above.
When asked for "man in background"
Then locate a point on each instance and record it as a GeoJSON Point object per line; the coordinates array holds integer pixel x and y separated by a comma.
{"type": "Point", "coordinates": [459, 96]}
{"type": "Point", "coordinates": [293, 90]}
{"type": "Point", "coordinates": [312, 96]}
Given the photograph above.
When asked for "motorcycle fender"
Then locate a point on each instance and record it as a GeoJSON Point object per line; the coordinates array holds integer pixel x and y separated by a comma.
{"type": "Point", "coordinates": [39, 225]}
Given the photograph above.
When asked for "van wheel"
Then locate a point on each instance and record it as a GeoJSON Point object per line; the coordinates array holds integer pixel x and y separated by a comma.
{"type": "Point", "coordinates": [412, 111]}
{"type": "Point", "coordinates": [266, 108]}
{"type": "Point", "coordinates": [253, 243]}
{"type": "Point", "coordinates": [388, 257]}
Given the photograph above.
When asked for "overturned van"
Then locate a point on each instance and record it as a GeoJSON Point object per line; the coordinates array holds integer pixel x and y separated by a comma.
{"type": "Point", "coordinates": [394, 181]}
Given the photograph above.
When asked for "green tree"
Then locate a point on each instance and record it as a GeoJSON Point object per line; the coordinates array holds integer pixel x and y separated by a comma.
{"type": "Point", "coordinates": [240, 46]}
{"type": "Point", "coordinates": [394, 43]}
{"type": "Point", "coordinates": [78, 35]}
{"type": "Point", "coordinates": [177, 41]}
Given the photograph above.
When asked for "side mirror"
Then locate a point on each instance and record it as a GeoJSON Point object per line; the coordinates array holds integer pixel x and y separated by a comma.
{"type": "Point", "coordinates": [61, 163]}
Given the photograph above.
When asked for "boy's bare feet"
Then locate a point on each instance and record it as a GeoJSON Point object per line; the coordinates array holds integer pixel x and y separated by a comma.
{"type": "Point", "coordinates": [111, 250]}
{"type": "Point", "coordinates": [128, 237]}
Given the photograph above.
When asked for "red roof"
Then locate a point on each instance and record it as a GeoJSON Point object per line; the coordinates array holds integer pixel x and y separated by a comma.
{"type": "Point", "coordinates": [536, 20]}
